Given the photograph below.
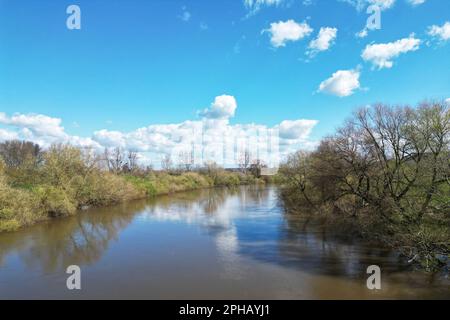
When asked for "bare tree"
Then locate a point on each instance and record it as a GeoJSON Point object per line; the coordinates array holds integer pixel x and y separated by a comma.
{"type": "Point", "coordinates": [244, 160]}
{"type": "Point", "coordinates": [186, 160]}
{"type": "Point", "coordinates": [166, 162]}
{"type": "Point", "coordinates": [256, 167]}
{"type": "Point", "coordinates": [91, 158]}
{"type": "Point", "coordinates": [132, 161]}
{"type": "Point", "coordinates": [115, 159]}
{"type": "Point", "coordinates": [385, 157]}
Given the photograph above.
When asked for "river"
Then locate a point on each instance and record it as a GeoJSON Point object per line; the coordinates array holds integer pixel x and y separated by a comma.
{"type": "Point", "coordinates": [205, 244]}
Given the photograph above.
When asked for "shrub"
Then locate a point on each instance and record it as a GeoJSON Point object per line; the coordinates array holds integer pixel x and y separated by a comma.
{"type": "Point", "coordinates": [55, 201]}
{"type": "Point", "coordinates": [17, 207]}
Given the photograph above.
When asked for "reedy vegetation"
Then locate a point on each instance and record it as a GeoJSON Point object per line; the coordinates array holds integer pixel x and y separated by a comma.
{"type": "Point", "coordinates": [38, 184]}
{"type": "Point", "coordinates": [386, 172]}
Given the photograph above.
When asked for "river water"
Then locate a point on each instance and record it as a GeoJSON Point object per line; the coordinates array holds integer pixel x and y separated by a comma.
{"type": "Point", "coordinates": [206, 244]}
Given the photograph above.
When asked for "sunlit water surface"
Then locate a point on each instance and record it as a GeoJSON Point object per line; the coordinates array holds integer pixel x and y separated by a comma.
{"type": "Point", "coordinates": [208, 244]}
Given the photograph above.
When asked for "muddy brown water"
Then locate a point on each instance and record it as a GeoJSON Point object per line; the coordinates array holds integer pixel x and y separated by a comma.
{"type": "Point", "coordinates": [206, 244]}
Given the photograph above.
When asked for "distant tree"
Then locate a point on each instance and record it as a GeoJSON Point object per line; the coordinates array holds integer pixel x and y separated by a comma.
{"type": "Point", "coordinates": [211, 169]}
{"type": "Point", "coordinates": [16, 153]}
{"type": "Point", "coordinates": [297, 170]}
{"type": "Point", "coordinates": [256, 166]}
{"type": "Point", "coordinates": [132, 161]}
{"type": "Point", "coordinates": [115, 159]}
{"type": "Point", "coordinates": [166, 162]}
{"type": "Point", "coordinates": [244, 160]}
{"type": "Point", "coordinates": [186, 160]}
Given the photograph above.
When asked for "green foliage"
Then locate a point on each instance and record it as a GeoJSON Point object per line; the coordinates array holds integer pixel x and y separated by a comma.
{"type": "Point", "coordinates": [227, 179]}
{"type": "Point", "coordinates": [17, 207]}
{"type": "Point", "coordinates": [61, 184]}
{"type": "Point", "coordinates": [146, 185]}
{"type": "Point", "coordinates": [165, 183]}
{"type": "Point", "coordinates": [55, 201]}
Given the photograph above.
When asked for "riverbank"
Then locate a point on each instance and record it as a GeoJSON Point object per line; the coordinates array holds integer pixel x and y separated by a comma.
{"type": "Point", "coordinates": [56, 183]}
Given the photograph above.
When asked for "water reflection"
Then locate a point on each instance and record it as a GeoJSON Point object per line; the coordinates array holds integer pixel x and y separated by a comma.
{"type": "Point", "coordinates": [238, 236]}
{"type": "Point", "coordinates": [80, 240]}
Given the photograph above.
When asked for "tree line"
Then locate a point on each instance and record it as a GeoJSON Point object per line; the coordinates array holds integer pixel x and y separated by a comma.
{"type": "Point", "coordinates": [37, 184]}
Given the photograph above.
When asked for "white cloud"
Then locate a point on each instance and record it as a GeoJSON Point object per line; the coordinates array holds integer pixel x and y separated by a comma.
{"type": "Point", "coordinates": [383, 4]}
{"type": "Point", "coordinates": [363, 33]}
{"type": "Point", "coordinates": [324, 40]}
{"type": "Point", "coordinates": [296, 129]}
{"type": "Point", "coordinates": [342, 83]}
{"type": "Point", "coordinates": [8, 135]}
{"type": "Point", "coordinates": [284, 31]}
{"type": "Point", "coordinates": [440, 32]}
{"type": "Point", "coordinates": [223, 107]}
{"type": "Point", "coordinates": [255, 5]}
{"type": "Point", "coordinates": [416, 2]}
{"type": "Point", "coordinates": [447, 101]}
{"type": "Point", "coordinates": [382, 55]}
{"type": "Point", "coordinates": [42, 129]}
{"type": "Point", "coordinates": [363, 4]}
{"type": "Point", "coordinates": [39, 124]}
{"type": "Point", "coordinates": [110, 138]}
{"type": "Point", "coordinates": [213, 138]}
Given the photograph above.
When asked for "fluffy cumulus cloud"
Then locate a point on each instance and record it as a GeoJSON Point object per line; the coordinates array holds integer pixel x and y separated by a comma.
{"type": "Point", "coordinates": [283, 31]}
{"type": "Point", "coordinates": [223, 107]}
{"type": "Point", "coordinates": [296, 129]}
{"type": "Point", "coordinates": [211, 138]}
{"type": "Point", "coordinates": [342, 83]}
{"type": "Point", "coordinates": [8, 135]}
{"type": "Point", "coordinates": [447, 101]}
{"type": "Point", "coordinates": [382, 55]}
{"type": "Point", "coordinates": [39, 124]}
{"type": "Point", "coordinates": [323, 42]}
{"type": "Point", "coordinates": [442, 33]}
{"type": "Point", "coordinates": [41, 129]}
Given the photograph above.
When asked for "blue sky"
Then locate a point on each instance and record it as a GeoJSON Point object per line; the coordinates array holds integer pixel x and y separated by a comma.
{"type": "Point", "coordinates": [135, 63]}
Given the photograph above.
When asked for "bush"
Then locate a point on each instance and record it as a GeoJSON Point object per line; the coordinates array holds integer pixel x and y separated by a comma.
{"type": "Point", "coordinates": [227, 179]}
{"type": "Point", "coordinates": [56, 202]}
{"type": "Point", "coordinates": [17, 207]}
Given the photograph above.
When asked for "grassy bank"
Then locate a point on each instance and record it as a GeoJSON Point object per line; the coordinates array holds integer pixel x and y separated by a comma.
{"type": "Point", "coordinates": [384, 175]}
{"type": "Point", "coordinates": [37, 185]}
